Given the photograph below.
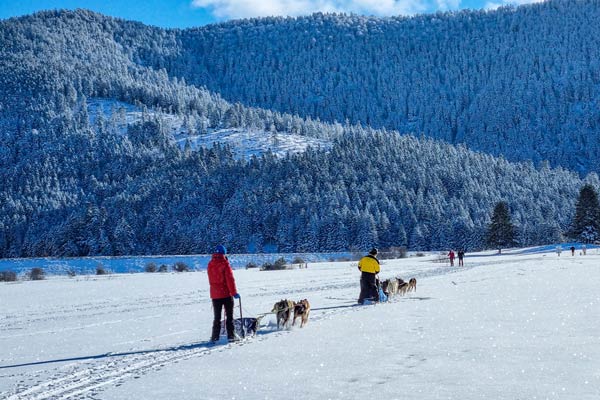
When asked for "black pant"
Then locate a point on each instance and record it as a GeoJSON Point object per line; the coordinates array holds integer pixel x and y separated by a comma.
{"type": "Point", "coordinates": [218, 304]}
{"type": "Point", "coordinates": [368, 287]}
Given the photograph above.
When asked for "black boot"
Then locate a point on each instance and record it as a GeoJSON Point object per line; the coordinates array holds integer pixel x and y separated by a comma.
{"type": "Point", "coordinates": [216, 331]}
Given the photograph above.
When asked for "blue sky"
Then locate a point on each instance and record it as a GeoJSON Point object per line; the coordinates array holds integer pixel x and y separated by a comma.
{"type": "Point", "coordinates": [188, 13]}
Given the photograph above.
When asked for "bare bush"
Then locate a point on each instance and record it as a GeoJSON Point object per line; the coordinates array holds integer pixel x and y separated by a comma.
{"type": "Point", "coordinates": [276, 266]}
{"type": "Point", "coordinates": [181, 267]}
{"type": "Point", "coordinates": [36, 274]}
{"type": "Point", "coordinates": [151, 267]}
{"type": "Point", "coordinates": [251, 265]}
{"type": "Point", "coordinates": [100, 270]}
{"type": "Point", "coordinates": [8, 276]}
{"type": "Point", "coordinates": [298, 260]}
{"type": "Point", "coordinates": [393, 252]}
{"type": "Point", "coordinates": [163, 268]}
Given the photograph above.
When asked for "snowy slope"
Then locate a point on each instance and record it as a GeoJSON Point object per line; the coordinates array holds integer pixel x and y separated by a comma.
{"type": "Point", "coordinates": [244, 142]}
{"type": "Point", "coordinates": [516, 326]}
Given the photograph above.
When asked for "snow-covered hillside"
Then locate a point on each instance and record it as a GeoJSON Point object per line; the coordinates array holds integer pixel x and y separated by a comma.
{"type": "Point", "coordinates": [244, 142]}
{"type": "Point", "coordinates": [522, 325]}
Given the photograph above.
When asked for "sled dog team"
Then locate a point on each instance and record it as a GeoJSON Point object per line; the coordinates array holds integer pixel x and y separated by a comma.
{"type": "Point", "coordinates": [397, 286]}
{"type": "Point", "coordinates": [283, 309]}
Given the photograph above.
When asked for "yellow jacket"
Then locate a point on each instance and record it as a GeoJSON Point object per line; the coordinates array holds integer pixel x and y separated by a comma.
{"type": "Point", "coordinates": [369, 264]}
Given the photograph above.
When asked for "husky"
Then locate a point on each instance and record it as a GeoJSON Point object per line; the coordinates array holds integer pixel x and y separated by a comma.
{"type": "Point", "coordinates": [283, 309]}
{"type": "Point", "coordinates": [301, 310]}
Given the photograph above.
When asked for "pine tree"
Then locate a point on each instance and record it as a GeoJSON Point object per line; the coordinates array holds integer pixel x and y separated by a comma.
{"type": "Point", "coordinates": [586, 223]}
{"type": "Point", "coordinates": [501, 231]}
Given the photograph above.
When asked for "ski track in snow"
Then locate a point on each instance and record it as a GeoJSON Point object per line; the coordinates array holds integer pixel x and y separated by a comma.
{"type": "Point", "coordinates": [86, 377]}
{"type": "Point", "coordinates": [19, 322]}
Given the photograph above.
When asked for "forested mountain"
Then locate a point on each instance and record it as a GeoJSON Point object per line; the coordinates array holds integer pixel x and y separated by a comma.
{"type": "Point", "coordinates": [523, 83]}
{"type": "Point", "coordinates": [72, 187]}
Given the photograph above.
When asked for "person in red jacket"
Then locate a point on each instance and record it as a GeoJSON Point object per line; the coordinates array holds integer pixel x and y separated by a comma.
{"type": "Point", "coordinates": [451, 257]}
{"type": "Point", "coordinates": [222, 292]}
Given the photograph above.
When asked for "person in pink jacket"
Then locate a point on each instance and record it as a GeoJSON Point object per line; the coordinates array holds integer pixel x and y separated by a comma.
{"type": "Point", "coordinates": [222, 292]}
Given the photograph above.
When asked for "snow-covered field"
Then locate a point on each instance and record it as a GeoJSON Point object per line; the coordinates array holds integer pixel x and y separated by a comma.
{"type": "Point", "coordinates": [515, 326]}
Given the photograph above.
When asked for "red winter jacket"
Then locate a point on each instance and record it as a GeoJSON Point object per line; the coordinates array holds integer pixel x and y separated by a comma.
{"type": "Point", "coordinates": [220, 277]}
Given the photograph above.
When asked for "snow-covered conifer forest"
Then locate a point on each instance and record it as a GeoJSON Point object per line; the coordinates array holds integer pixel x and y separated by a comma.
{"type": "Point", "coordinates": [411, 130]}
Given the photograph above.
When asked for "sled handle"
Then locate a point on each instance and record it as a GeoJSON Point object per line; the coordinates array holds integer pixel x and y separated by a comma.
{"type": "Point", "coordinates": [242, 319]}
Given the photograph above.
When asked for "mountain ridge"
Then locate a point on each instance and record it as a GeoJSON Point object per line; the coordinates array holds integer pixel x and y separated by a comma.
{"type": "Point", "coordinates": [76, 187]}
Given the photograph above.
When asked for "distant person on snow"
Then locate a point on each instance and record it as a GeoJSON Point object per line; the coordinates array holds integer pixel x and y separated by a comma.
{"type": "Point", "coordinates": [369, 268]}
{"type": "Point", "coordinates": [451, 257]}
{"type": "Point", "coordinates": [558, 250]}
{"type": "Point", "coordinates": [583, 248]}
{"type": "Point", "coordinates": [461, 255]}
{"type": "Point", "coordinates": [222, 292]}
{"type": "Point", "coordinates": [572, 250]}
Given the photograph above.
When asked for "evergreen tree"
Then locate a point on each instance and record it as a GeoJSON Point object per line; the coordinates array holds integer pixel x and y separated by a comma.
{"type": "Point", "coordinates": [501, 231]}
{"type": "Point", "coordinates": [586, 223]}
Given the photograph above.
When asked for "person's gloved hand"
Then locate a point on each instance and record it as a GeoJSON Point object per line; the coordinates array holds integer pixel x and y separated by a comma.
{"type": "Point", "coordinates": [236, 296]}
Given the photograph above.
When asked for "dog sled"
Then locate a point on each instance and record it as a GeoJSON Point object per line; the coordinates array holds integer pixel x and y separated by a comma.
{"type": "Point", "coordinates": [381, 296]}
{"type": "Point", "coordinates": [244, 327]}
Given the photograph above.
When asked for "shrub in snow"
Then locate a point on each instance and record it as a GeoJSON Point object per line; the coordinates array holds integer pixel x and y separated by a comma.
{"type": "Point", "coordinates": [71, 273]}
{"type": "Point", "coordinates": [8, 276]}
{"type": "Point", "coordinates": [298, 260]}
{"type": "Point", "coordinates": [36, 274]}
{"type": "Point", "coordinates": [280, 262]}
{"type": "Point", "coordinates": [100, 270]}
{"type": "Point", "coordinates": [393, 252]}
{"type": "Point", "coordinates": [163, 268]}
{"type": "Point", "coordinates": [277, 265]}
{"type": "Point", "coordinates": [151, 267]}
{"type": "Point", "coordinates": [181, 267]}
{"type": "Point", "coordinates": [251, 265]}
{"type": "Point", "coordinates": [400, 252]}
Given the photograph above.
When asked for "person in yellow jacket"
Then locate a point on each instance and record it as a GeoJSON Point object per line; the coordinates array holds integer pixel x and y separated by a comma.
{"type": "Point", "coordinates": [369, 268]}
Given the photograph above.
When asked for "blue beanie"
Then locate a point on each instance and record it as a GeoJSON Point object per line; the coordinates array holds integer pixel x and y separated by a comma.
{"type": "Point", "coordinates": [220, 249]}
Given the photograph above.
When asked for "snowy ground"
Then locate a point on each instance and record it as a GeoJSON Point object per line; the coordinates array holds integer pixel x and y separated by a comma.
{"type": "Point", "coordinates": [515, 326]}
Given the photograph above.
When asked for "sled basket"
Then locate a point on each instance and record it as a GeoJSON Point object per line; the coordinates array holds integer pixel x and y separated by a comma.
{"type": "Point", "coordinates": [243, 327]}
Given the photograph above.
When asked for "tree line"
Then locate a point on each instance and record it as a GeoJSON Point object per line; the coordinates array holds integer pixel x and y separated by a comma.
{"type": "Point", "coordinates": [585, 226]}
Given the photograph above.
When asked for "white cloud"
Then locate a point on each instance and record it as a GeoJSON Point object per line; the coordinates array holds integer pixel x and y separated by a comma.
{"type": "Point", "coordinates": [495, 4]}
{"type": "Point", "coordinates": [226, 9]}
{"type": "Point", "coordinates": [444, 5]}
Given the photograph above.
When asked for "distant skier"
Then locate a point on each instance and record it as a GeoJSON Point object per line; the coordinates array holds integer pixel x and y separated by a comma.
{"type": "Point", "coordinates": [572, 250]}
{"type": "Point", "coordinates": [461, 256]}
{"type": "Point", "coordinates": [369, 268]}
{"type": "Point", "coordinates": [558, 250]}
{"type": "Point", "coordinates": [451, 257]}
{"type": "Point", "coordinates": [222, 292]}
{"type": "Point", "coordinates": [583, 249]}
